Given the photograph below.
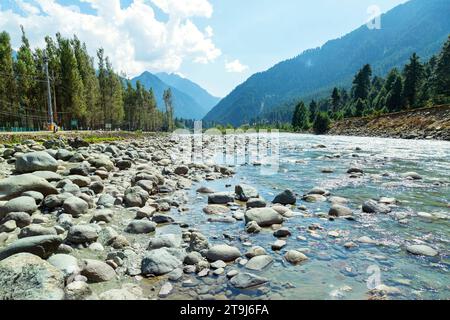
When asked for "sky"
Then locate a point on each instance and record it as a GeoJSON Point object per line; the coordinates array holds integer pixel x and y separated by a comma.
{"type": "Point", "coordinates": [215, 43]}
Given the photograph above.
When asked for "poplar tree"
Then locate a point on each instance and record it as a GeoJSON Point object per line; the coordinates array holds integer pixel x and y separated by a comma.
{"type": "Point", "coordinates": [413, 73]}
{"type": "Point", "coordinates": [8, 90]}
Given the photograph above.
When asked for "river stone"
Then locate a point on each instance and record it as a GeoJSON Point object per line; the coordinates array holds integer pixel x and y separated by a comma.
{"type": "Point", "coordinates": [77, 290]}
{"type": "Point", "coordinates": [422, 250]}
{"type": "Point", "coordinates": [159, 262]}
{"type": "Point", "coordinates": [36, 161]}
{"type": "Point", "coordinates": [223, 252]}
{"type": "Point", "coordinates": [22, 219]}
{"type": "Point", "coordinates": [181, 170]}
{"type": "Point", "coordinates": [14, 186]}
{"type": "Point", "coordinates": [20, 204]}
{"type": "Point", "coordinates": [247, 280]}
{"type": "Point", "coordinates": [50, 176]}
{"type": "Point", "coordinates": [75, 206]}
{"type": "Point", "coordinates": [278, 245]}
{"type": "Point", "coordinates": [256, 203]}
{"type": "Point", "coordinates": [25, 276]}
{"type": "Point", "coordinates": [286, 197]}
{"type": "Point", "coordinates": [220, 198]}
{"type": "Point", "coordinates": [355, 170]}
{"type": "Point", "coordinates": [145, 212]}
{"type": "Point", "coordinates": [252, 227]}
{"type": "Point", "coordinates": [35, 230]}
{"type": "Point", "coordinates": [8, 226]}
{"type": "Point", "coordinates": [102, 162]}
{"type": "Point", "coordinates": [372, 206]}
{"type": "Point", "coordinates": [412, 175]}
{"type": "Point", "coordinates": [244, 192]}
{"type": "Point", "coordinates": [255, 251]}
{"type": "Point", "coordinates": [103, 215]}
{"type": "Point", "coordinates": [258, 263]}
{"type": "Point", "coordinates": [314, 198]}
{"type": "Point", "coordinates": [42, 246]}
{"type": "Point", "coordinates": [338, 210]}
{"type": "Point", "coordinates": [216, 209]}
{"type": "Point", "coordinates": [79, 180]}
{"type": "Point", "coordinates": [140, 227]}
{"type": "Point", "coordinates": [282, 233]}
{"type": "Point", "coordinates": [135, 197]}
{"type": "Point", "coordinates": [205, 190]}
{"type": "Point", "coordinates": [82, 233]}
{"type": "Point", "coordinates": [264, 217]}
{"type": "Point", "coordinates": [106, 200]}
{"type": "Point", "coordinates": [295, 257]}
{"type": "Point", "coordinates": [165, 241]}
{"type": "Point", "coordinates": [97, 271]}
{"type": "Point", "coordinates": [66, 263]}
{"type": "Point", "coordinates": [192, 258]}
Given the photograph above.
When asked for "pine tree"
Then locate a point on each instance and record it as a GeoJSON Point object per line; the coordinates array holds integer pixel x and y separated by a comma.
{"type": "Point", "coordinates": [413, 73]}
{"type": "Point", "coordinates": [300, 121]}
{"type": "Point", "coordinates": [322, 123]}
{"type": "Point", "coordinates": [441, 77]}
{"type": "Point", "coordinates": [335, 100]}
{"type": "Point", "coordinates": [394, 91]}
{"type": "Point", "coordinates": [362, 83]}
{"type": "Point", "coordinates": [313, 111]}
{"type": "Point", "coordinates": [169, 109]}
{"type": "Point", "coordinates": [8, 90]}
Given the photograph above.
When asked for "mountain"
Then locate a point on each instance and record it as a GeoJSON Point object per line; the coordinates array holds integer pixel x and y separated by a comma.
{"type": "Point", "coordinates": [200, 95]}
{"type": "Point", "coordinates": [184, 105]}
{"type": "Point", "coordinates": [420, 26]}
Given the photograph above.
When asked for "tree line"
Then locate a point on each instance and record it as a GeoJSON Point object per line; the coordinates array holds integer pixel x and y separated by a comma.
{"type": "Point", "coordinates": [416, 85]}
{"type": "Point", "coordinates": [84, 95]}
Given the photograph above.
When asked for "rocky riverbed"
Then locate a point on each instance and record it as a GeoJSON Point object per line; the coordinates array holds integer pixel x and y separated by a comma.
{"type": "Point", "coordinates": [123, 220]}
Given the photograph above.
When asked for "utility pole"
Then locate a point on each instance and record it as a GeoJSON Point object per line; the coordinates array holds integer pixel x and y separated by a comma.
{"type": "Point", "coordinates": [49, 94]}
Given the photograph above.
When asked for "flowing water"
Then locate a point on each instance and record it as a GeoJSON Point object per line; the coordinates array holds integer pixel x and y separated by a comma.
{"type": "Point", "coordinates": [332, 271]}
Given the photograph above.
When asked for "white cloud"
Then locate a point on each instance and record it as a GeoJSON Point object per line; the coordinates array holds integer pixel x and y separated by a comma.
{"type": "Point", "coordinates": [235, 66]}
{"type": "Point", "coordinates": [132, 37]}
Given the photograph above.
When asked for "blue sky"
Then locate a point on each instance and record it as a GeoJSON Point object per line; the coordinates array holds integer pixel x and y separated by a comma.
{"type": "Point", "coordinates": [216, 43]}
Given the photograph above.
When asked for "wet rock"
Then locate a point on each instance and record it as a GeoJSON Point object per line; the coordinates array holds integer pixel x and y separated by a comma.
{"type": "Point", "coordinates": [20, 204]}
{"type": "Point", "coordinates": [247, 280]}
{"type": "Point", "coordinates": [286, 197]}
{"type": "Point", "coordinates": [75, 206]}
{"type": "Point", "coordinates": [81, 234]}
{"type": "Point", "coordinates": [21, 219]}
{"type": "Point", "coordinates": [97, 271]}
{"type": "Point", "coordinates": [422, 250]}
{"type": "Point", "coordinates": [160, 218]}
{"type": "Point", "coordinates": [256, 203]}
{"type": "Point", "coordinates": [282, 233]}
{"type": "Point", "coordinates": [25, 276]}
{"type": "Point", "coordinates": [102, 162]}
{"type": "Point", "coordinates": [42, 246]}
{"type": "Point", "coordinates": [278, 245]}
{"type": "Point", "coordinates": [198, 242]}
{"type": "Point", "coordinates": [258, 263]}
{"type": "Point", "coordinates": [338, 210]}
{"type": "Point", "coordinates": [244, 192]}
{"type": "Point", "coordinates": [8, 226]}
{"type": "Point", "coordinates": [252, 227]}
{"type": "Point", "coordinates": [145, 212]}
{"type": "Point", "coordinates": [223, 252]}
{"type": "Point", "coordinates": [141, 227]}
{"type": "Point", "coordinates": [264, 217]}
{"type": "Point", "coordinates": [295, 257]}
{"type": "Point", "coordinates": [412, 175]}
{"type": "Point", "coordinates": [205, 190]}
{"type": "Point", "coordinates": [216, 209]}
{"type": "Point", "coordinates": [372, 206]}
{"type": "Point", "coordinates": [193, 258]}
{"type": "Point", "coordinates": [36, 161]}
{"type": "Point", "coordinates": [355, 170]}
{"type": "Point", "coordinates": [314, 198]}
{"type": "Point", "coordinates": [106, 200]}
{"type": "Point", "coordinates": [14, 186]}
{"type": "Point", "coordinates": [220, 198]}
{"type": "Point", "coordinates": [165, 290]}
{"type": "Point", "coordinates": [181, 170]}
{"type": "Point", "coordinates": [255, 251]}
{"type": "Point", "coordinates": [159, 262]}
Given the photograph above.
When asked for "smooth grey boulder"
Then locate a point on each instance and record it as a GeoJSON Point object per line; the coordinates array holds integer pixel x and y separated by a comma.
{"type": "Point", "coordinates": [372, 206]}
{"type": "Point", "coordinates": [35, 230]}
{"type": "Point", "coordinates": [245, 192]}
{"type": "Point", "coordinates": [422, 250]}
{"type": "Point", "coordinates": [264, 217]}
{"type": "Point", "coordinates": [36, 161]}
{"type": "Point", "coordinates": [135, 197]}
{"type": "Point", "coordinates": [160, 261]}
{"type": "Point", "coordinates": [106, 200]}
{"type": "Point", "coordinates": [140, 227]}
{"type": "Point", "coordinates": [42, 246]}
{"type": "Point", "coordinates": [20, 204]}
{"type": "Point", "coordinates": [259, 263]}
{"type": "Point", "coordinates": [338, 210]}
{"type": "Point", "coordinates": [97, 271]}
{"type": "Point", "coordinates": [165, 241]}
{"type": "Point", "coordinates": [82, 233]}
{"type": "Point", "coordinates": [75, 206]}
{"type": "Point", "coordinates": [256, 203]}
{"type": "Point", "coordinates": [14, 186]}
{"type": "Point", "coordinates": [220, 198]}
{"type": "Point", "coordinates": [104, 215]}
{"type": "Point", "coordinates": [247, 280]}
{"type": "Point", "coordinates": [22, 219]}
{"type": "Point", "coordinates": [50, 176]}
{"type": "Point", "coordinates": [223, 252]}
{"type": "Point", "coordinates": [286, 197]}
{"type": "Point", "coordinates": [25, 276]}
{"type": "Point", "coordinates": [66, 263]}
